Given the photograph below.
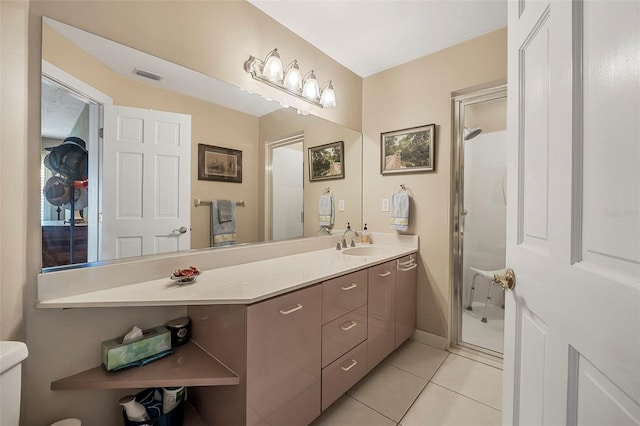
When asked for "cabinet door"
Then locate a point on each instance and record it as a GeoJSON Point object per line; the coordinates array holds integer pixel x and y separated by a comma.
{"type": "Point", "coordinates": [406, 280]}
{"type": "Point", "coordinates": [382, 311]}
{"type": "Point", "coordinates": [283, 359]}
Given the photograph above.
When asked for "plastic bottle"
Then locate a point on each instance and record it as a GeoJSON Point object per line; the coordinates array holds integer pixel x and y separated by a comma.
{"type": "Point", "coordinates": [364, 237]}
{"type": "Point", "coordinates": [171, 398]}
{"type": "Point", "coordinates": [135, 411]}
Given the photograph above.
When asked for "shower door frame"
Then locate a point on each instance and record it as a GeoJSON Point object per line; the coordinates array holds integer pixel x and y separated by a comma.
{"type": "Point", "coordinates": [459, 101]}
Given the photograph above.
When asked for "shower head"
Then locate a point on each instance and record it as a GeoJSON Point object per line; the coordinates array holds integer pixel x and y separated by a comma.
{"type": "Point", "coordinates": [471, 133]}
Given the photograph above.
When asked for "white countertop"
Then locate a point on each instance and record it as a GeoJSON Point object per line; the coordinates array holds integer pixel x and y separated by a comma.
{"type": "Point", "coordinates": [239, 284]}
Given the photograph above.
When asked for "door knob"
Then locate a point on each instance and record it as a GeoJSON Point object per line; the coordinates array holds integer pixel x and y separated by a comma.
{"type": "Point", "coordinates": [182, 230]}
{"type": "Point", "coordinates": [508, 279]}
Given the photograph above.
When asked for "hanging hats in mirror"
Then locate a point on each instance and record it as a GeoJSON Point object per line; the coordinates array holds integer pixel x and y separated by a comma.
{"type": "Point", "coordinates": [57, 191]}
{"type": "Point", "coordinates": [70, 159]}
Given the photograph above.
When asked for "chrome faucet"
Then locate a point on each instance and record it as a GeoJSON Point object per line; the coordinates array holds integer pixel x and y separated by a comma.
{"type": "Point", "coordinates": [344, 240]}
{"type": "Point", "coordinates": [324, 229]}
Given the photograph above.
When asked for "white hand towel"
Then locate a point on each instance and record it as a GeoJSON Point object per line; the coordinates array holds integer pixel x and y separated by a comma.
{"type": "Point", "coordinates": [400, 211]}
{"type": "Point", "coordinates": [326, 213]}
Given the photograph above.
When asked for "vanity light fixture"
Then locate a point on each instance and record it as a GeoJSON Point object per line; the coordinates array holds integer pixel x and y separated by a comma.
{"type": "Point", "coordinates": [290, 80]}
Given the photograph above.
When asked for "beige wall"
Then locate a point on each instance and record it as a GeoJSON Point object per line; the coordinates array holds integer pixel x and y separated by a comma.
{"type": "Point", "coordinates": [283, 123]}
{"type": "Point", "coordinates": [491, 116]}
{"type": "Point", "coordinates": [211, 37]}
{"type": "Point", "coordinates": [415, 94]}
{"type": "Point", "coordinates": [13, 170]}
{"type": "Point", "coordinates": [211, 124]}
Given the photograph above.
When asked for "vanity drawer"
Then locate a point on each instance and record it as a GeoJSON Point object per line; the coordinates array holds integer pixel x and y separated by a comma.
{"type": "Point", "coordinates": [345, 372]}
{"type": "Point", "coordinates": [342, 334]}
{"type": "Point", "coordinates": [343, 294]}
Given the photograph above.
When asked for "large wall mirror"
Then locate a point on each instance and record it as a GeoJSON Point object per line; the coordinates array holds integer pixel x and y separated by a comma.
{"type": "Point", "coordinates": [137, 122]}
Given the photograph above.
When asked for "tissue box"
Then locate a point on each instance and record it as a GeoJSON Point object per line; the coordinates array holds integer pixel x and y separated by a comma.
{"type": "Point", "coordinates": [117, 354]}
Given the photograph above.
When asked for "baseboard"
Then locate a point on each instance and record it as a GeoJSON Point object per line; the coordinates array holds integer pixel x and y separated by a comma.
{"type": "Point", "coordinates": [439, 342]}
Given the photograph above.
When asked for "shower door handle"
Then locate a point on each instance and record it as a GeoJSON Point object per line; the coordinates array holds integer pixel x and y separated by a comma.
{"type": "Point", "coordinates": [508, 279]}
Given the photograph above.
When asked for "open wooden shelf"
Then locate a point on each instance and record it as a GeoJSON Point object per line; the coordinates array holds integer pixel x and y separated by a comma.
{"type": "Point", "coordinates": [188, 365]}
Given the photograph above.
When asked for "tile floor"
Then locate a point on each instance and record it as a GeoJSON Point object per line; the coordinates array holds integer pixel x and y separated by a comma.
{"type": "Point", "coordinates": [419, 385]}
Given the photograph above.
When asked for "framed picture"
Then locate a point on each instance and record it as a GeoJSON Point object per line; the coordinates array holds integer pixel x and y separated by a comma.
{"type": "Point", "coordinates": [326, 161]}
{"type": "Point", "coordinates": [408, 151]}
{"type": "Point", "coordinates": [219, 164]}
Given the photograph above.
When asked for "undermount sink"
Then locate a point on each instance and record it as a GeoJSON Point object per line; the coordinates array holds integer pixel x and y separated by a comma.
{"type": "Point", "coordinates": [363, 251]}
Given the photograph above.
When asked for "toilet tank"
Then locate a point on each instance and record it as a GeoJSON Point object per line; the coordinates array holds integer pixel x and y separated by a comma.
{"type": "Point", "coordinates": [11, 356]}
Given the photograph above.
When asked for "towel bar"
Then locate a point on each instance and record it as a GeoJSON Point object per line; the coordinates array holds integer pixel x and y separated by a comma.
{"type": "Point", "coordinates": [198, 203]}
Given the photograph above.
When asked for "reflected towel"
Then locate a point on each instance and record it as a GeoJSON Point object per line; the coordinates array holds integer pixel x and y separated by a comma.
{"type": "Point", "coordinates": [225, 214]}
{"type": "Point", "coordinates": [400, 211]}
{"type": "Point", "coordinates": [222, 234]}
{"type": "Point", "coordinates": [326, 213]}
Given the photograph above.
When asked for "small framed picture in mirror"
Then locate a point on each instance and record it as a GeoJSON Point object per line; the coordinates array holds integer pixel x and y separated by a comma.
{"type": "Point", "coordinates": [326, 161]}
{"type": "Point", "coordinates": [408, 150]}
{"type": "Point", "coordinates": [219, 164]}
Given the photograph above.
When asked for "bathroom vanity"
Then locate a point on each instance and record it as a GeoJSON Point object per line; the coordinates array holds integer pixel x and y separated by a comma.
{"type": "Point", "coordinates": [274, 341]}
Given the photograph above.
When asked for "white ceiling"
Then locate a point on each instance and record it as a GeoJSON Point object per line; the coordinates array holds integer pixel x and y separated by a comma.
{"type": "Point", "coordinates": [369, 36]}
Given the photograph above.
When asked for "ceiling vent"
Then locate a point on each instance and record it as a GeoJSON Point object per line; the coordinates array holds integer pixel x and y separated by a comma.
{"type": "Point", "coordinates": [147, 74]}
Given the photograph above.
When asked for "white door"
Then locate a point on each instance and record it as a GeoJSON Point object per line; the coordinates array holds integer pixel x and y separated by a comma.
{"type": "Point", "coordinates": [572, 326]}
{"type": "Point", "coordinates": [146, 179]}
{"type": "Point", "coordinates": [287, 204]}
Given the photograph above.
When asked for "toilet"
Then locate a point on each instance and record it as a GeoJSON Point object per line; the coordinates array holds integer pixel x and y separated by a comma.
{"type": "Point", "coordinates": [11, 356]}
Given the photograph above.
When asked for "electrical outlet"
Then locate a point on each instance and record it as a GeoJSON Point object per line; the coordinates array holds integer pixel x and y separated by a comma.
{"type": "Point", "coordinates": [341, 205]}
{"type": "Point", "coordinates": [385, 204]}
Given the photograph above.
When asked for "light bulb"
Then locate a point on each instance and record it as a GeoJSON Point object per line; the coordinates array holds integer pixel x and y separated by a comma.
{"type": "Point", "coordinates": [328, 97]}
{"type": "Point", "coordinates": [272, 69]}
{"type": "Point", "coordinates": [292, 77]}
{"type": "Point", "coordinates": [310, 88]}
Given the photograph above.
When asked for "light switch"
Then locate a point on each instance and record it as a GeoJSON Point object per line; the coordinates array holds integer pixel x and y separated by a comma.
{"type": "Point", "coordinates": [341, 205]}
{"type": "Point", "coordinates": [385, 204]}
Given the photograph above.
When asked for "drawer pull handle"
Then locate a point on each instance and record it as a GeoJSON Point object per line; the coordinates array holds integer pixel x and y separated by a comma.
{"type": "Point", "coordinates": [386, 274]}
{"type": "Point", "coordinates": [354, 285]}
{"type": "Point", "coordinates": [409, 268]}
{"type": "Point", "coordinates": [353, 364]}
{"type": "Point", "coordinates": [408, 262]}
{"type": "Point", "coordinates": [297, 308]}
{"type": "Point", "coordinates": [349, 327]}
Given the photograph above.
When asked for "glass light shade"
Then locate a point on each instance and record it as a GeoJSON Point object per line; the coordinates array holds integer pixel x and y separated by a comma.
{"type": "Point", "coordinates": [292, 77]}
{"type": "Point", "coordinates": [328, 97]}
{"type": "Point", "coordinates": [310, 87]}
{"type": "Point", "coordinates": [272, 69]}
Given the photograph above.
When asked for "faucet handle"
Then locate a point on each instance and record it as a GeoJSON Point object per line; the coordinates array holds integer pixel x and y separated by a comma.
{"type": "Point", "coordinates": [353, 243]}
{"type": "Point", "coordinates": [338, 246]}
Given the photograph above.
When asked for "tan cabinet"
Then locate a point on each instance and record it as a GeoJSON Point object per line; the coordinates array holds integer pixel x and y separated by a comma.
{"type": "Point", "coordinates": [343, 294]}
{"type": "Point", "coordinates": [297, 353]}
{"type": "Point", "coordinates": [283, 359]}
{"type": "Point", "coordinates": [344, 334]}
{"type": "Point", "coordinates": [382, 312]}
{"type": "Point", "coordinates": [406, 282]}
{"type": "Point", "coordinates": [343, 373]}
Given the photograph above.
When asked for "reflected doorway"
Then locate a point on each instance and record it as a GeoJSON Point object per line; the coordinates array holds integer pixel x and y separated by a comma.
{"type": "Point", "coordinates": [480, 206]}
{"type": "Point", "coordinates": [285, 191]}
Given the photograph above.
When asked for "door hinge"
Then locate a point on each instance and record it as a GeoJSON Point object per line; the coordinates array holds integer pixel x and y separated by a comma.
{"type": "Point", "coordinates": [101, 132]}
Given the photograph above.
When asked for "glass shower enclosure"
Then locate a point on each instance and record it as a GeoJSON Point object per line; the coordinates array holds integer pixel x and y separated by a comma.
{"type": "Point", "coordinates": [479, 219]}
